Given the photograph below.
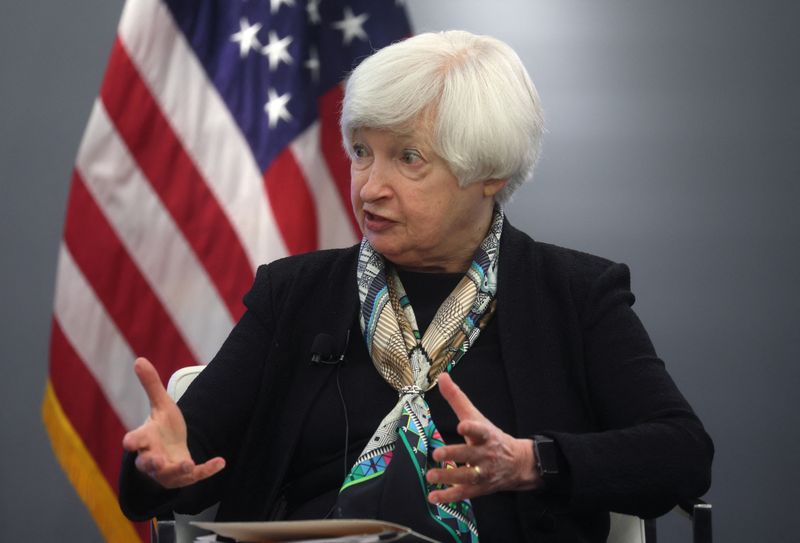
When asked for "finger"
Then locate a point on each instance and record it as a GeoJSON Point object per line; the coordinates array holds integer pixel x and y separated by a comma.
{"type": "Point", "coordinates": [458, 453]}
{"type": "Point", "coordinates": [188, 473]}
{"type": "Point", "coordinates": [455, 493]}
{"type": "Point", "coordinates": [458, 401]}
{"type": "Point", "coordinates": [464, 475]}
{"type": "Point", "coordinates": [135, 440]}
{"type": "Point", "coordinates": [151, 382]}
{"type": "Point", "coordinates": [208, 468]}
{"type": "Point", "coordinates": [167, 474]}
{"type": "Point", "coordinates": [475, 432]}
{"type": "Point", "coordinates": [150, 464]}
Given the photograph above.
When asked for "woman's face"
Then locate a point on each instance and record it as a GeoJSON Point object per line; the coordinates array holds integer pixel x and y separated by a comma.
{"type": "Point", "coordinates": [410, 206]}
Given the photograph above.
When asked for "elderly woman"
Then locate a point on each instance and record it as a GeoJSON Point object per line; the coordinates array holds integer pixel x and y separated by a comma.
{"type": "Point", "coordinates": [562, 410]}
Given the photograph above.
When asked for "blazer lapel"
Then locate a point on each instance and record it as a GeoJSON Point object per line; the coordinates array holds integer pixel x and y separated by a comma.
{"type": "Point", "coordinates": [518, 302]}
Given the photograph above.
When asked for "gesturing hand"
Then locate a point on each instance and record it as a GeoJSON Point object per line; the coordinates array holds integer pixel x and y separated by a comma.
{"type": "Point", "coordinates": [491, 460]}
{"type": "Point", "coordinates": [160, 442]}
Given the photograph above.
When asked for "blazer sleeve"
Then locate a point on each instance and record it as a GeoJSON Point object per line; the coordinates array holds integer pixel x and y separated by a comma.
{"type": "Point", "coordinates": [217, 407]}
{"type": "Point", "coordinates": [650, 449]}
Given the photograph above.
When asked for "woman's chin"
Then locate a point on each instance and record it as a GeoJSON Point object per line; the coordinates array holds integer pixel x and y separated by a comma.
{"type": "Point", "coordinates": [390, 250]}
{"type": "Point", "coordinates": [386, 249]}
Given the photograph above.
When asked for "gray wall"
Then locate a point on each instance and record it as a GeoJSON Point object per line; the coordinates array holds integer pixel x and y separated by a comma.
{"type": "Point", "coordinates": [674, 130]}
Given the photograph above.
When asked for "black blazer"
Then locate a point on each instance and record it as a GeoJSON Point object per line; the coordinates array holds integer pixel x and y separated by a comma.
{"type": "Point", "coordinates": [579, 364]}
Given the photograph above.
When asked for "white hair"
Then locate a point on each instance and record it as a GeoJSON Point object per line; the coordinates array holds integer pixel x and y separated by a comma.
{"type": "Point", "coordinates": [483, 111]}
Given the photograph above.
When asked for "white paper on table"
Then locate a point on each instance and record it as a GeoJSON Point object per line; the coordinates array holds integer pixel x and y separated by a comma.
{"type": "Point", "coordinates": [304, 531]}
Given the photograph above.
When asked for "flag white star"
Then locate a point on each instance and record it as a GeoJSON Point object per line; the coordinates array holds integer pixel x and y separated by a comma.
{"type": "Point", "coordinates": [313, 63]}
{"type": "Point", "coordinates": [276, 107]}
{"type": "Point", "coordinates": [247, 36]}
{"type": "Point", "coordinates": [312, 9]}
{"type": "Point", "coordinates": [352, 26]}
{"type": "Point", "coordinates": [277, 50]}
{"type": "Point", "coordinates": [275, 5]}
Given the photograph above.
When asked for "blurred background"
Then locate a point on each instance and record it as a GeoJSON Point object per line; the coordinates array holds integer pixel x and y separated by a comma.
{"type": "Point", "coordinates": [673, 145]}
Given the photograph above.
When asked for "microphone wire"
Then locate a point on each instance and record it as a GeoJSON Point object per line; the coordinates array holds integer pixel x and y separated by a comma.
{"type": "Point", "coordinates": [346, 420]}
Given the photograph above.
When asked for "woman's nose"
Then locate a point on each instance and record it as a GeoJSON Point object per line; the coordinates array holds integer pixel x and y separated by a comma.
{"type": "Point", "coordinates": [377, 183]}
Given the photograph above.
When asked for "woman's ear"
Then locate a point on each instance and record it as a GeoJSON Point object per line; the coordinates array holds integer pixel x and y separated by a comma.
{"type": "Point", "coordinates": [493, 186]}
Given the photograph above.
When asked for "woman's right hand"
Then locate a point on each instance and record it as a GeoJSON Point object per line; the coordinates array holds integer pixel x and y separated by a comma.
{"type": "Point", "coordinates": [160, 443]}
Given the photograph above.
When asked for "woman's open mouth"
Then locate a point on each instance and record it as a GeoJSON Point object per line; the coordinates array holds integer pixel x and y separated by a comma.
{"type": "Point", "coordinates": [376, 223]}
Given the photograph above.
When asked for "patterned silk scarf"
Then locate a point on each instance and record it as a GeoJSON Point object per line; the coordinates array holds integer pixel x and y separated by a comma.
{"type": "Point", "coordinates": [388, 479]}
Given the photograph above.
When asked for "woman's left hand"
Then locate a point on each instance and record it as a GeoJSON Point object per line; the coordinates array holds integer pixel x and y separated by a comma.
{"type": "Point", "coordinates": [489, 461]}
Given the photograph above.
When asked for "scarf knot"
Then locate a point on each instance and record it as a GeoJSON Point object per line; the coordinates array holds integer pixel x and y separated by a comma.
{"type": "Point", "coordinates": [410, 389]}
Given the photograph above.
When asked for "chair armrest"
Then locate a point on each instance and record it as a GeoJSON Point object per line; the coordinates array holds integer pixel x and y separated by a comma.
{"type": "Point", "coordinates": [700, 513]}
{"type": "Point", "coordinates": [181, 379]}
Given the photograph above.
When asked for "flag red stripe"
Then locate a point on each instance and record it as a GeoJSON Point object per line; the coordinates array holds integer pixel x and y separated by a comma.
{"type": "Point", "coordinates": [106, 264]}
{"type": "Point", "coordinates": [292, 203]}
{"type": "Point", "coordinates": [89, 412]}
{"type": "Point", "coordinates": [174, 176]}
{"type": "Point", "coordinates": [330, 105]}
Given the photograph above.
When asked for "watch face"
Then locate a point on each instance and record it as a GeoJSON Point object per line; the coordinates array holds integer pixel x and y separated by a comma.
{"type": "Point", "coordinates": [546, 456]}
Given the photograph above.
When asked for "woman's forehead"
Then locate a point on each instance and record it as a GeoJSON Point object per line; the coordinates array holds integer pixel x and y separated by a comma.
{"type": "Point", "coordinates": [417, 134]}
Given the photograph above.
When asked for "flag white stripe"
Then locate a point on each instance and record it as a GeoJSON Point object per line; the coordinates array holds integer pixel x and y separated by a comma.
{"type": "Point", "coordinates": [181, 87]}
{"type": "Point", "coordinates": [334, 227]}
{"type": "Point", "coordinates": [151, 238]}
{"type": "Point", "coordinates": [96, 339]}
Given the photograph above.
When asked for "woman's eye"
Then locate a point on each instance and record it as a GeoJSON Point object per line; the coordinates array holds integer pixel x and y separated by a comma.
{"type": "Point", "coordinates": [410, 156]}
{"type": "Point", "coordinates": [359, 150]}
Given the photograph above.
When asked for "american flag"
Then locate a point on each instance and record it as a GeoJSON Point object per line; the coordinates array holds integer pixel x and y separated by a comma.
{"type": "Point", "coordinates": [213, 147]}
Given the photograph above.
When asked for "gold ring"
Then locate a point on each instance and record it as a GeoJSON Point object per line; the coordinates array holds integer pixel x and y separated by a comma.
{"type": "Point", "coordinates": [477, 471]}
